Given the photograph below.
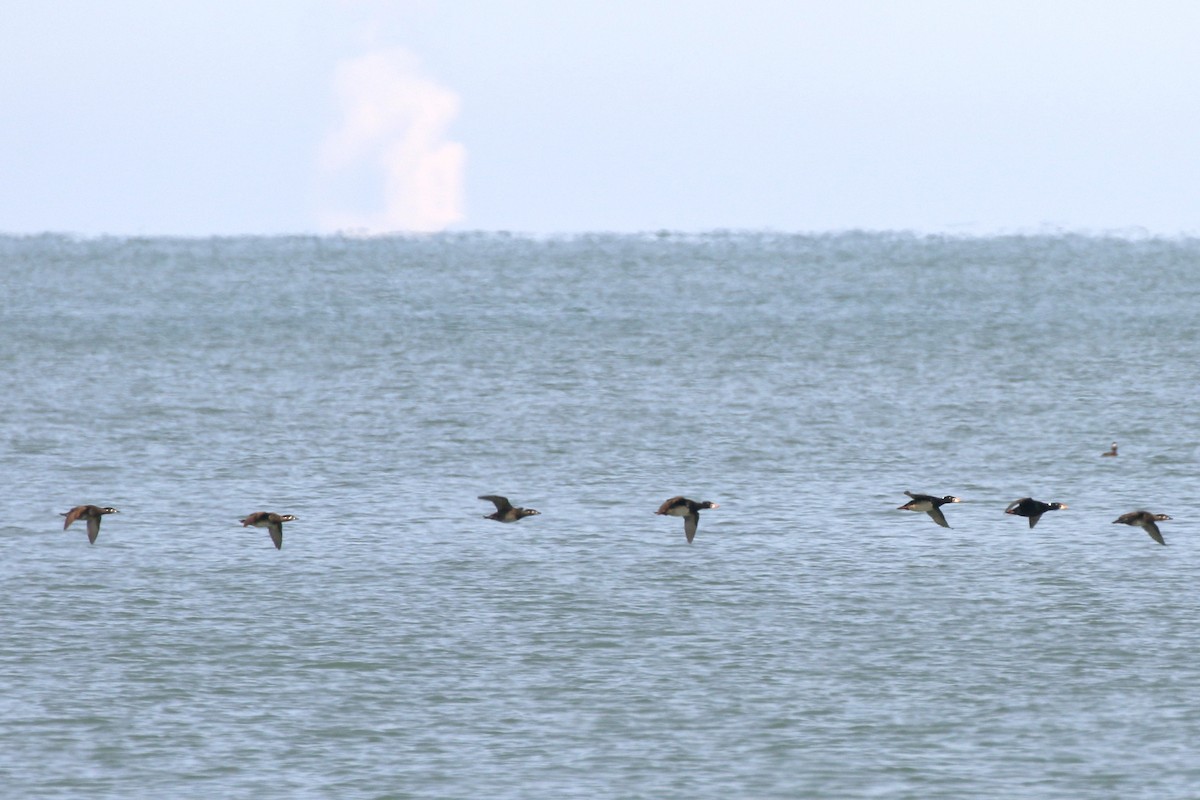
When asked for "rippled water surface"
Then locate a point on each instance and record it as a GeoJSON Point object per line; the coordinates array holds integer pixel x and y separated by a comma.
{"type": "Point", "coordinates": [812, 642]}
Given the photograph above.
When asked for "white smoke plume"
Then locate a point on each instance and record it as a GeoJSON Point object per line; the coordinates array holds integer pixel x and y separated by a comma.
{"type": "Point", "coordinates": [388, 166]}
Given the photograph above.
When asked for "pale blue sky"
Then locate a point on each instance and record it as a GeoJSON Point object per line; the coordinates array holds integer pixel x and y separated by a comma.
{"type": "Point", "coordinates": [199, 117]}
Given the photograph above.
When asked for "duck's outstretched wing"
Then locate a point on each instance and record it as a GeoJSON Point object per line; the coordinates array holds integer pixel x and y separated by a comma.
{"type": "Point", "coordinates": [72, 515]}
{"type": "Point", "coordinates": [1014, 505]}
{"type": "Point", "coordinates": [501, 503]}
{"type": "Point", "coordinates": [670, 504]}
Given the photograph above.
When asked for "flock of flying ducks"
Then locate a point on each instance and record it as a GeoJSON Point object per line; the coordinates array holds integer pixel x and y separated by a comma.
{"type": "Point", "coordinates": [1033, 509]}
{"type": "Point", "coordinates": [505, 512]}
{"type": "Point", "coordinates": [259, 519]}
{"type": "Point", "coordinates": [674, 507]}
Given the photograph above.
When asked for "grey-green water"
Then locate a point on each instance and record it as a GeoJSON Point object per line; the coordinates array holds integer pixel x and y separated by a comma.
{"type": "Point", "coordinates": [812, 642]}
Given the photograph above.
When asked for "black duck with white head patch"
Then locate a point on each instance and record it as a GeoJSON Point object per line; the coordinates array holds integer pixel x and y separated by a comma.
{"type": "Point", "coordinates": [1033, 509]}
{"type": "Point", "coordinates": [1144, 520]}
{"type": "Point", "coordinates": [930, 505]}
{"type": "Point", "coordinates": [505, 511]}
{"type": "Point", "coordinates": [91, 515]}
{"type": "Point", "coordinates": [272, 522]}
{"type": "Point", "coordinates": [689, 510]}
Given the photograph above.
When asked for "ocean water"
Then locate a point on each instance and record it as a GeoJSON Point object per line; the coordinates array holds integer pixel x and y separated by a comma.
{"type": "Point", "coordinates": [812, 642]}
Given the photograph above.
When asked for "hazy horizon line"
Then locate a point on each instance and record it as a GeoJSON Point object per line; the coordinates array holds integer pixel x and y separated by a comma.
{"type": "Point", "coordinates": [1132, 232]}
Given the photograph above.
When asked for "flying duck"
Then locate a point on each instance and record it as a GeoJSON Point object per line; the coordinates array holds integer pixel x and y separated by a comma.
{"type": "Point", "coordinates": [689, 510]}
{"type": "Point", "coordinates": [1028, 507]}
{"type": "Point", "coordinates": [930, 505]}
{"type": "Point", "coordinates": [505, 512]}
{"type": "Point", "coordinates": [1144, 520]}
{"type": "Point", "coordinates": [90, 513]}
{"type": "Point", "coordinates": [272, 522]}
{"type": "Point", "coordinates": [1112, 451]}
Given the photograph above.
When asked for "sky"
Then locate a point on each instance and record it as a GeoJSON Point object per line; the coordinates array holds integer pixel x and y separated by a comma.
{"type": "Point", "coordinates": [226, 117]}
